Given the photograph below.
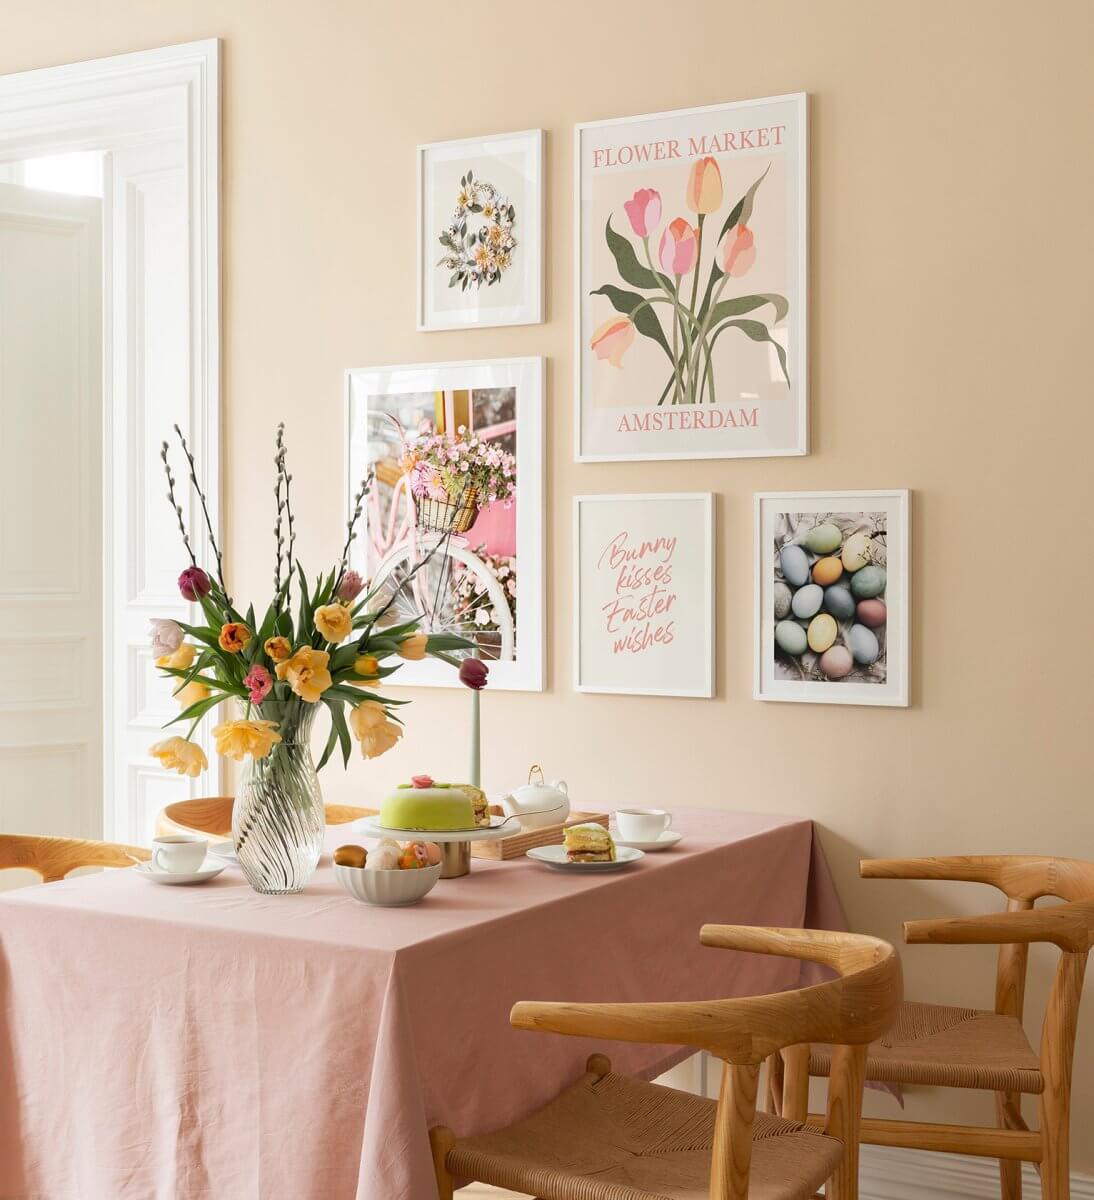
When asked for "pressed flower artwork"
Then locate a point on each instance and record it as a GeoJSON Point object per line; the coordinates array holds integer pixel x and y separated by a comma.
{"type": "Point", "coordinates": [691, 305]}
{"type": "Point", "coordinates": [480, 231]}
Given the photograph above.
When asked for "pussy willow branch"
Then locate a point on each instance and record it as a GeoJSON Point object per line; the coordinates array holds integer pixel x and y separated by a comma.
{"type": "Point", "coordinates": [205, 511]}
{"type": "Point", "coordinates": [358, 504]}
{"type": "Point", "coordinates": [286, 479]}
{"type": "Point", "coordinates": [175, 504]}
{"type": "Point", "coordinates": [279, 463]}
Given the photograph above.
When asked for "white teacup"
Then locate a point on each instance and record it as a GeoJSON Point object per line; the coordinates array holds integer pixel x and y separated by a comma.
{"type": "Point", "coordinates": [642, 824]}
{"type": "Point", "coordinates": [179, 853]}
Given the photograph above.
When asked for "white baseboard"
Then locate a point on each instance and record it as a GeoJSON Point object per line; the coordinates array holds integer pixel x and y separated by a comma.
{"type": "Point", "coordinates": [891, 1174]}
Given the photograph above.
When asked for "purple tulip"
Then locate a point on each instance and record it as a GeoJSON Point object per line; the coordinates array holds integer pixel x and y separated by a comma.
{"type": "Point", "coordinates": [473, 673]}
{"type": "Point", "coordinates": [351, 587]}
{"type": "Point", "coordinates": [194, 583]}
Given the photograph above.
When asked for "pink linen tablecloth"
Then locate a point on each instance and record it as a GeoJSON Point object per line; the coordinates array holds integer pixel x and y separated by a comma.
{"type": "Point", "coordinates": [166, 1043]}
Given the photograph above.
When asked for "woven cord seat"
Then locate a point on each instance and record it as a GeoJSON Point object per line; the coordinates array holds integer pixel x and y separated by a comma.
{"type": "Point", "coordinates": [948, 1047]}
{"type": "Point", "coordinates": [616, 1138]}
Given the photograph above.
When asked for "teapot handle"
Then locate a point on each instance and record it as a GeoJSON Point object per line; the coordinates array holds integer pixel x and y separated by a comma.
{"type": "Point", "coordinates": [561, 785]}
{"type": "Point", "coordinates": [536, 769]}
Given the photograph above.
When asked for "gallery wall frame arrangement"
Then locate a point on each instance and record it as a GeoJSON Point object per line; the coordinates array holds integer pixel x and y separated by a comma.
{"type": "Point", "coordinates": [644, 594]}
{"type": "Point", "coordinates": [691, 272]}
{"type": "Point", "coordinates": [454, 522]}
{"type": "Point", "coordinates": [480, 231]}
{"type": "Point", "coordinates": [832, 597]}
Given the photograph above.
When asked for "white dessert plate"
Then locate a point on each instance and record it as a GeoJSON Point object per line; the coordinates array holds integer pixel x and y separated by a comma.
{"type": "Point", "coordinates": [555, 856]}
{"type": "Point", "coordinates": [146, 871]}
{"type": "Point", "coordinates": [226, 852]}
{"type": "Point", "coordinates": [666, 841]}
{"type": "Point", "coordinates": [499, 827]}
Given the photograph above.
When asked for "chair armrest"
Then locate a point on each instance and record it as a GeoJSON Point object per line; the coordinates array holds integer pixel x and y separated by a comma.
{"type": "Point", "coordinates": [1066, 925]}
{"type": "Point", "coordinates": [980, 868]}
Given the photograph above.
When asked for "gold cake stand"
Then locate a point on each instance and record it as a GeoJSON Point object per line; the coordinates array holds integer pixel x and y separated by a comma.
{"type": "Point", "coordinates": [455, 844]}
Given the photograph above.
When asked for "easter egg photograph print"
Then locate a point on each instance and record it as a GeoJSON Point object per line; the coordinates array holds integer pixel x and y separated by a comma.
{"type": "Point", "coordinates": [832, 594]}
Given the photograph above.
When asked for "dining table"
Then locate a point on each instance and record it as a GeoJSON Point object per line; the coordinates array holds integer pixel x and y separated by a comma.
{"type": "Point", "coordinates": [208, 1041]}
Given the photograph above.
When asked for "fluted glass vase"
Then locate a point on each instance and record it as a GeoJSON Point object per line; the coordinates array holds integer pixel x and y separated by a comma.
{"type": "Point", "coordinates": [278, 817]}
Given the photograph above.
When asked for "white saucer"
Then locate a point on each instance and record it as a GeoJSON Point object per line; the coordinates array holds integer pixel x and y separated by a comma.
{"type": "Point", "coordinates": [555, 856]}
{"type": "Point", "coordinates": [146, 871]}
{"type": "Point", "coordinates": [666, 841]}
{"type": "Point", "coordinates": [225, 851]}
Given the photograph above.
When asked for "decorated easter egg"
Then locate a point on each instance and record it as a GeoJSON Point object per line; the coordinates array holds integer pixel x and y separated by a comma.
{"type": "Point", "coordinates": [823, 539]}
{"type": "Point", "coordinates": [807, 601]}
{"type": "Point", "coordinates": [795, 564]}
{"type": "Point", "coordinates": [790, 637]}
{"type": "Point", "coordinates": [864, 644]}
{"type": "Point", "coordinates": [836, 662]}
{"type": "Point", "coordinates": [433, 853]}
{"type": "Point", "coordinates": [781, 600]}
{"type": "Point", "coordinates": [871, 613]}
{"type": "Point", "coordinates": [868, 583]}
{"type": "Point", "coordinates": [839, 601]}
{"type": "Point", "coordinates": [822, 632]}
{"type": "Point", "coordinates": [384, 858]}
{"type": "Point", "coordinates": [350, 856]}
{"type": "Point", "coordinates": [414, 856]}
{"type": "Point", "coordinates": [827, 570]}
{"type": "Point", "coordinates": [856, 552]}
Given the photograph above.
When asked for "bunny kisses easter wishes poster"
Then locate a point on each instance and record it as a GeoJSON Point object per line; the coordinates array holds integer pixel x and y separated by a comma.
{"type": "Point", "coordinates": [692, 283]}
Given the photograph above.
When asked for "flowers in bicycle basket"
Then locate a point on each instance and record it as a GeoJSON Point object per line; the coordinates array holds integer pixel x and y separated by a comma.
{"type": "Point", "coordinates": [444, 467]}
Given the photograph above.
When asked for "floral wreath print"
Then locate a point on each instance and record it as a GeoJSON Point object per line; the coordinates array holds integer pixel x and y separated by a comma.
{"type": "Point", "coordinates": [697, 314]}
{"type": "Point", "coordinates": [482, 255]}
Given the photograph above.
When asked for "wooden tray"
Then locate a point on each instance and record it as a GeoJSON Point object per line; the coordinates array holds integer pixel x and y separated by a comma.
{"type": "Point", "coordinates": [517, 845]}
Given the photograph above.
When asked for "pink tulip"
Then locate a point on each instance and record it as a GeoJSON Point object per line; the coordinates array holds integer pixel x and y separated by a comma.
{"type": "Point", "coordinates": [704, 193]}
{"type": "Point", "coordinates": [473, 673]}
{"type": "Point", "coordinates": [351, 587]}
{"type": "Point", "coordinates": [678, 248]}
{"type": "Point", "coordinates": [258, 683]}
{"type": "Point", "coordinates": [612, 339]}
{"type": "Point", "coordinates": [738, 251]}
{"type": "Point", "coordinates": [644, 211]}
{"type": "Point", "coordinates": [194, 583]}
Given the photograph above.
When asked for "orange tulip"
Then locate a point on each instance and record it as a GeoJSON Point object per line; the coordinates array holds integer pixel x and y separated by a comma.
{"type": "Point", "coordinates": [738, 251]}
{"type": "Point", "coordinates": [704, 186]}
{"type": "Point", "coordinates": [612, 340]}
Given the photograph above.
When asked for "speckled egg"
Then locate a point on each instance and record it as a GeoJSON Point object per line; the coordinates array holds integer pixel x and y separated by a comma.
{"type": "Point", "coordinates": [822, 632]}
{"type": "Point", "coordinates": [795, 564]}
{"type": "Point", "coordinates": [871, 613]}
{"type": "Point", "coordinates": [807, 601]}
{"type": "Point", "coordinates": [856, 552]}
{"type": "Point", "coordinates": [836, 662]}
{"type": "Point", "coordinates": [790, 637]}
{"type": "Point", "coordinates": [839, 602]}
{"type": "Point", "coordinates": [868, 583]}
{"type": "Point", "coordinates": [864, 644]}
{"type": "Point", "coordinates": [781, 601]}
{"type": "Point", "coordinates": [827, 570]}
{"type": "Point", "coordinates": [823, 539]}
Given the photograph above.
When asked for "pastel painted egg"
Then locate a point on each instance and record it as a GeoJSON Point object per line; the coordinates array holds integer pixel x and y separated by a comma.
{"type": "Point", "coordinates": [790, 637]}
{"type": "Point", "coordinates": [822, 632]}
{"type": "Point", "coordinates": [823, 539]}
{"type": "Point", "coordinates": [868, 583]}
{"type": "Point", "coordinates": [782, 600]}
{"type": "Point", "coordinates": [795, 564]}
{"type": "Point", "coordinates": [856, 552]}
{"type": "Point", "coordinates": [871, 613]}
{"type": "Point", "coordinates": [839, 602]}
{"type": "Point", "coordinates": [827, 570]}
{"type": "Point", "coordinates": [836, 662]}
{"type": "Point", "coordinates": [807, 601]}
{"type": "Point", "coordinates": [864, 644]}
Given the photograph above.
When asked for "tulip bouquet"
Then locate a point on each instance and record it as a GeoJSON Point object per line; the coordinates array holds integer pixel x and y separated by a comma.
{"type": "Point", "coordinates": [696, 310]}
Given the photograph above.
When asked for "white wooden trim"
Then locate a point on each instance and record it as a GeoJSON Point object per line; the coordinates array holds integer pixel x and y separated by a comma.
{"type": "Point", "coordinates": [888, 1173]}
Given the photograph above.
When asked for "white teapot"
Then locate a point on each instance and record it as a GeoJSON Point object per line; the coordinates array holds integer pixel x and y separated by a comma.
{"type": "Point", "coordinates": [537, 803]}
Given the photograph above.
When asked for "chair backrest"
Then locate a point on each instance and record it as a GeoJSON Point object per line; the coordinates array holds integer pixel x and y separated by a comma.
{"type": "Point", "coordinates": [52, 858]}
{"type": "Point", "coordinates": [213, 815]}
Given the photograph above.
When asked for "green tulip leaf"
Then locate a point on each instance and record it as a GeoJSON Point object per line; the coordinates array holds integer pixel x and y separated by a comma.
{"type": "Point", "coordinates": [646, 322]}
{"type": "Point", "coordinates": [741, 213]}
{"type": "Point", "coordinates": [758, 332]}
{"type": "Point", "coordinates": [740, 305]}
{"type": "Point", "coordinates": [626, 261]}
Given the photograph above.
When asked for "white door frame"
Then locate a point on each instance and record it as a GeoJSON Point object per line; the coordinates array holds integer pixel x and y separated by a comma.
{"type": "Point", "coordinates": [113, 104]}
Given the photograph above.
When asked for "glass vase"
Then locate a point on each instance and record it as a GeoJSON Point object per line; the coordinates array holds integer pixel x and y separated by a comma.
{"type": "Point", "coordinates": [278, 819]}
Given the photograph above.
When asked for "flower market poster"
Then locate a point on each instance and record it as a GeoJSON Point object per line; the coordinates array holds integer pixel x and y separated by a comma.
{"type": "Point", "coordinates": [692, 261]}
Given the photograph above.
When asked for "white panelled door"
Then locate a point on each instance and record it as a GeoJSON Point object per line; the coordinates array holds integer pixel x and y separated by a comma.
{"type": "Point", "coordinates": [51, 540]}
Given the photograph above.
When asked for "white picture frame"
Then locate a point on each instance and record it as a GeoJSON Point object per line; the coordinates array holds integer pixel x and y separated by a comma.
{"type": "Point", "coordinates": [654, 432]}
{"type": "Point", "coordinates": [449, 384]}
{"type": "Point", "coordinates": [510, 165]}
{"type": "Point", "coordinates": [682, 667]}
{"type": "Point", "coordinates": [782, 519]}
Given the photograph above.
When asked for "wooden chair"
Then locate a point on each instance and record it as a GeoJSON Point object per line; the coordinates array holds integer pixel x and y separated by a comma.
{"type": "Point", "coordinates": [213, 815]}
{"type": "Point", "coordinates": [610, 1137]}
{"type": "Point", "coordinates": [940, 1045]}
{"type": "Point", "coordinates": [52, 858]}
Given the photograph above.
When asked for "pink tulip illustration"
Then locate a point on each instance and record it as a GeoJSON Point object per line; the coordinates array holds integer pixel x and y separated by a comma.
{"type": "Point", "coordinates": [678, 248]}
{"type": "Point", "coordinates": [738, 251]}
{"type": "Point", "coordinates": [704, 194]}
{"type": "Point", "coordinates": [644, 211]}
{"type": "Point", "coordinates": [612, 339]}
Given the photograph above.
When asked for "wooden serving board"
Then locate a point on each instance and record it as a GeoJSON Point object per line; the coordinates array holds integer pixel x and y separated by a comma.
{"type": "Point", "coordinates": [520, 843]}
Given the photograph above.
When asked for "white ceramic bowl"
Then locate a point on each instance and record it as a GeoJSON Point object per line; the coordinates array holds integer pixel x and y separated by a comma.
{"type": "Point", "coordinates": [391, 889]}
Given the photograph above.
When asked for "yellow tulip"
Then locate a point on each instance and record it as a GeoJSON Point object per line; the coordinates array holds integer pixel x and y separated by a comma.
{"type": "Point", "coordinates": [278, 648]}
{"type": "Point", "coordinates": [307, 673]}
{"type": "Point", "coordinates": [334, 622]}
{"type": "Point", "coordinates": [182, 659]}
{"type": "Point", "coordinates": [704, 193]}
{"type": "Point", "coordinates": [413, 648]}
{"type": "Point", "coordinates": [235, 739]}
{"type": "Point", "coordinates": [177, 754]}
{"type": "Point", "coordinates": [373, 729]}
{"type": "Point", "coordinates": [234, 637]}
{"type": "Point", "coordinates": [367, 666]}
{"type": "Point", "coordinates": [191, 693]}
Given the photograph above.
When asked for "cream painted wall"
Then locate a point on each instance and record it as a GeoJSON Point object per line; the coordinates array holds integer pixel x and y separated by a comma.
{"type": "Point", "coordinates": [952, 253]}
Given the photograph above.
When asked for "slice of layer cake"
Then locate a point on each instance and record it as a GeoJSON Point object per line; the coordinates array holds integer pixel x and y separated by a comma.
{"type": "Point", "coordinates": [588, 843]}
